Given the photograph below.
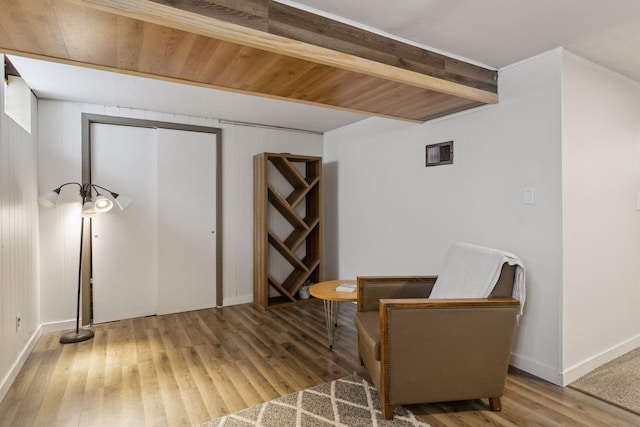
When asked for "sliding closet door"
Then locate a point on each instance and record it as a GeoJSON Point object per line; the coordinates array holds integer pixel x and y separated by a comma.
{"type": "Point", "coordinates": [158, 255]}
{"type": "Point", "coordinates": [125, 243]}
{"type": "Point", "coordinates": [186, 221]}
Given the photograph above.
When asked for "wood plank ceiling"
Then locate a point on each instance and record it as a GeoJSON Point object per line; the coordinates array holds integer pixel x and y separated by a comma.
{"type": "Point", "coordinates": [258, 47]}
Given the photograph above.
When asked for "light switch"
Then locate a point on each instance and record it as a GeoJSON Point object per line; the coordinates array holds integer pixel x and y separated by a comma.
{"type": "Point", "coordinates": [638, 202]}
{"type": "Point", "coordinates": [528, 196]}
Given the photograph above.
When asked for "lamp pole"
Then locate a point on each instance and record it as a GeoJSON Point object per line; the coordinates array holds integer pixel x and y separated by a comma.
{"type": "Point", "coordinates": [89, 209]}
{"type": "Point", "coordinates": [78, 335]}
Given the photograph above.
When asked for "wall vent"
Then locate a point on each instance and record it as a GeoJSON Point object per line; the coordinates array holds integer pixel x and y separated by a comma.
{"type": "Point", "coordinates": [439, 154]}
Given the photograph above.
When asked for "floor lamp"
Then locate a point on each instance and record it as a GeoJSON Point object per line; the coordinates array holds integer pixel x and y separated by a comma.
{"type": "Point", "coordinates": [90, 208]}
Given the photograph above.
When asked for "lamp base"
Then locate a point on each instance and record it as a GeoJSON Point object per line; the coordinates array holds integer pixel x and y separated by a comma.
{"type": "Point", "coordinates": [73, 336]}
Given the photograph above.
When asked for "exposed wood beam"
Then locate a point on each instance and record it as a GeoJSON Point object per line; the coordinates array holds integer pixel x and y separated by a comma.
{"type": "Point", "coordinates": [256, 47]}
{"type": "Point", "coordinates": [186, 20]}
{"type": "Point", "coordinates": [193, 83]}
{"type": "Point", "coordinates": [317, 30]}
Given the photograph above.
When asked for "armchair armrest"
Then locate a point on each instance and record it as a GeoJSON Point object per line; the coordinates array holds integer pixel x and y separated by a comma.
{"type": "Point", "coordinates": [372, 289]}
{"type": "Point", "coordinates": [439, 350]}
{"type": "Point", "coordinates": [397, 303]}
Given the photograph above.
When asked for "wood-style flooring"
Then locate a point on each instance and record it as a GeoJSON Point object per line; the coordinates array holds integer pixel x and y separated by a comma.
{"type": "Point", "coordinates": [188, 368]}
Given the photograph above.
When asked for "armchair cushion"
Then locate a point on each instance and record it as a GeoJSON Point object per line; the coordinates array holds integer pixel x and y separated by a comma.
{"type": "Point", "coordinates": [368, 327]}
{"type": "Point", "coordinates": [504, 285]}
{"type": "Point", "coordinates": [372, 289]}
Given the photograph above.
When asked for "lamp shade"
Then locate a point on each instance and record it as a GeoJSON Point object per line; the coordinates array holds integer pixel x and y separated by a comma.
{"type": "Point", "coordinates": [50, 200]}
{"type": "Point", "coordinates": [89, 208]}
{"type": "Point", "coordinates": [103, 204]}
{"type": "Point", "coordinates": [122, 201]}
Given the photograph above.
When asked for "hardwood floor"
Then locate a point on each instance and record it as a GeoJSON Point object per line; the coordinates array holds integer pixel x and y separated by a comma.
{"type": "Point", "coordinates": [188, 368]}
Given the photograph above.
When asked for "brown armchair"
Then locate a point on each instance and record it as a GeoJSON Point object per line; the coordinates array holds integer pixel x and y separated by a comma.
{"type": "Point", "coordinates": [420, 350]}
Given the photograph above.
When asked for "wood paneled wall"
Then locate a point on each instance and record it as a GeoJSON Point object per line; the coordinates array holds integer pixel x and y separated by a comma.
{"type": "Point", "coordinates": [18, 242]}
{"type": "Point", "coordinates": [60, 144]}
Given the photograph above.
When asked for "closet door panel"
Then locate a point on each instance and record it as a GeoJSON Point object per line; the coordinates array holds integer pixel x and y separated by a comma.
{"type": "Point", "coordinates": [186, 221]}
{"type": "Point", "coordinates": [125, 259]}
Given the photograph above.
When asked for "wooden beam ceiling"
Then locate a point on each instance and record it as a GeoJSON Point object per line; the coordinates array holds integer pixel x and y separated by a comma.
{"type": "Point", "coordinates": [258, 47]}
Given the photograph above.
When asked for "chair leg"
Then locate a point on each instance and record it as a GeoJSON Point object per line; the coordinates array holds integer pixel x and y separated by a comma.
{"type": "Point", "coordinates": [495, 404]}
{"type": "Point", "coordinates": [387, 411]}
{"type": "Point", "coordinates": [359, 356]}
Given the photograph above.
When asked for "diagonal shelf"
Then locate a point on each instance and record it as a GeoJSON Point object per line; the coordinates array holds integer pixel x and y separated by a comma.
{"type": "Point", "coordinates": [292, 186]}
{"type": "Point", "coordinates": [281, 204]}
{"type": "Point", "coordinates": [300, 194]}
{"type": "Point", "coordinates": [299, 235]}
{"type": "Point", "coordinates": [280, 288]}
{"type": "Point", "coordinates": [286, 252]}
{"type": "Point", "coordinates": [311, 262]}
{"type": "Point", "coordinates": [288, 171]}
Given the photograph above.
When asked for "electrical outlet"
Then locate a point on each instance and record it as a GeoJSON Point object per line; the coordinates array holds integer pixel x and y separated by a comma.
{"type": "Point", "coordinates": [18, 320]}
{"type": "Point", "coordinates": [529, 196]}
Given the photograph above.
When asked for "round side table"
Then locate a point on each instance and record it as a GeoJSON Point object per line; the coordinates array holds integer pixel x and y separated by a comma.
{"type": "Point", "coordinates": [326, 291]}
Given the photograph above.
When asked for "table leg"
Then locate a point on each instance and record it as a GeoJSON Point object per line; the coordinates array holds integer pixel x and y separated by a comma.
{"type": "Point", "coordinates": [330, 310]}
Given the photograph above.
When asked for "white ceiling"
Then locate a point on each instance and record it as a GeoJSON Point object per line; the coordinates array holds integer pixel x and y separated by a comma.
{"type": "Point", "coordinates": [493, 33]}
{"type": "Point", "coordinates": [50, 80]}
{"type": "Point", "coordinates": [500, 32]}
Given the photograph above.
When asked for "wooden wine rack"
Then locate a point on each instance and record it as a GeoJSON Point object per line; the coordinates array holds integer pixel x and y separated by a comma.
{"type": "Point", "coordinates": [286, 250]}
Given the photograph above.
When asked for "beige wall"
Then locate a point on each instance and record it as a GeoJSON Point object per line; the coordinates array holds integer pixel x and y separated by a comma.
{"type": "Point", "coordinates": [601, 216]}
{"type": "Point", "coordinates": [389, 214]}
{"type": "Point", "coordinates": [564, 126]}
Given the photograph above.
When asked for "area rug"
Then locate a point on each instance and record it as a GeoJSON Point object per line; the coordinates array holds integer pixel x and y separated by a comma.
{"type": "Point", "coordinates": [616, 382]}
{"type": "Point", "coordinates": [349, 401]}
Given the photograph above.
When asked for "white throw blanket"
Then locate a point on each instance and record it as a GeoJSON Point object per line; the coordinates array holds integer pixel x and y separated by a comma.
{"type": "Point", "coordinates": [471, 271]}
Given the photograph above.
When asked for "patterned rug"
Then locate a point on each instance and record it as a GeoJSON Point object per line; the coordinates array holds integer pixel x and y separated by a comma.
{"type": "Point", "coordinates": [347, 402]}
{"type": "Point", "coordinates": [616, 382]}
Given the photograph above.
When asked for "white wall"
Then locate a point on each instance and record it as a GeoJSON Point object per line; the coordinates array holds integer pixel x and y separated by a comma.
{"type": "Point", "coordinates": [19, 293]}
{"type": "Point", "coordinates": [60, 150]}
{"type": "Point", "coordinates": [601, 221]}
{"type": "Point", "coordinates": [386, 213]}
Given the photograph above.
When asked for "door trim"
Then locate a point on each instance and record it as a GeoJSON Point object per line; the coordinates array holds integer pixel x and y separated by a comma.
{"type": "Point", "coordinates": [87, 121]}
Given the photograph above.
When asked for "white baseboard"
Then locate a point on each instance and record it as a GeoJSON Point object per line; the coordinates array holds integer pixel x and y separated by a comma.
{"type": "Point", "coordinates": [64, 325]}
{"type": "Point", "coordinates": [244, 299]}
{"type": "Point", "coordinates": [538, 369]}
{"type": "Point", "coordinates": [576, 371]}
{"type": "Point", "coordinates": [8, 379]}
